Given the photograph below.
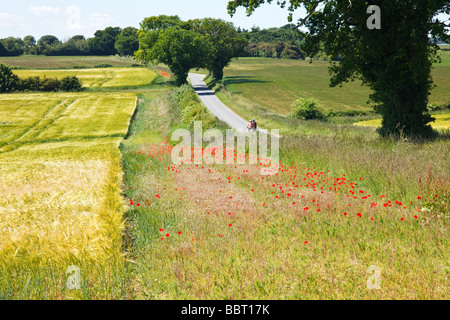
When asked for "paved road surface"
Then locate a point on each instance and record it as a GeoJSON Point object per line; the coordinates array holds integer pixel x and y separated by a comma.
{"type": "Point", "coordinates": [216, 106]}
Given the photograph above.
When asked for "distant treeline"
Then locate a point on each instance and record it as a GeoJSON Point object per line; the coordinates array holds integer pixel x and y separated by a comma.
{"type": "Point", "coordinates": [282, 42]}
{"type": "Point", "coordinates": [110, 41]}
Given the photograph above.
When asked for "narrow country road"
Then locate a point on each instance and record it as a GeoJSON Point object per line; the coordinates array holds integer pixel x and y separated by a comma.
{"type": "Point", "coordinates": [216, 106]}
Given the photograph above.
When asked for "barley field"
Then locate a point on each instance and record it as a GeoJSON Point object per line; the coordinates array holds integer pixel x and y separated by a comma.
{"type": "Point", "coordinates": [442, 122]}
{"type": "Point", "coordinates": [98, 78]}
{"type": "Point", "coordinates": [60, 184]}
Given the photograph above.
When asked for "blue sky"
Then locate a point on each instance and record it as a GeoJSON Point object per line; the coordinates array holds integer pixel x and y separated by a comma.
{"type": "Point", "coordinates": [66, 18]}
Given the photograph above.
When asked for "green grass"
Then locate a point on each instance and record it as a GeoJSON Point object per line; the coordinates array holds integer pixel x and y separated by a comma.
{"type": "Point", "coordinates": [63, 182]}
{"type": "Point", "coordinates": [263, 254]}
{"type": "Point", "coordinates": [64, 62]}
{"type": "Point", "coordinates": [260, 87]}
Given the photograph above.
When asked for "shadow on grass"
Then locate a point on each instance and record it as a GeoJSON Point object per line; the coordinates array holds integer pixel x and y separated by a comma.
{"type": "Point", "coordinates": [241, 79]}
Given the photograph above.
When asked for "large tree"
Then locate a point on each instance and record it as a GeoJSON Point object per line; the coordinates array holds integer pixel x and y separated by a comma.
{"type": "Point", "coordinates": [127, 42]}
{"type": "Point", "coordinates": [8, 80]}
{"type": "Point", "coordinates": [30, 44]}
{"type": "Point", "coordinates": [394, 60]}
{"type": "Point", "coordinates": [167, 39]}
{"type": "Point", "coordinates": [14, 46]}
{"type": "Point", "coordinates": [104, 41]}
{"type": "Point", "coordinates": [226, 42]}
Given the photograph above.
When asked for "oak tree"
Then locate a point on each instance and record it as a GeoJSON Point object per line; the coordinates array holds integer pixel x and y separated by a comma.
{"type": "Point", "coordinates": [394, 60]}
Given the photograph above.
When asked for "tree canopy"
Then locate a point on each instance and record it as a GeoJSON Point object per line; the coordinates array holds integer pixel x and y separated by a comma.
{"type": "Point", "coordinates": [225, 41]}
{"type": "Point", "coordinates": [104, 41]}
{"type": "Point", "coordinates": [394, 60]}
{"type": "Point", "coordinates": [127, 42]}
{"type": "Point", "coordinates": [164, 40]}
{"type": "Point", "coordinates": [207, 43]}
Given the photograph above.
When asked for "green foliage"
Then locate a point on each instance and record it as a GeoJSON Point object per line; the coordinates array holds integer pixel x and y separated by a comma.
{"type": "Point", "coordinates": [192, 109]}
{"type": "Point", "coordinates": [277, 43]}
{"type": "Point", "coordinates": [226, 42]}
{"type": "Point", "coordinates": [178, 48]}
{"type": "Point", "coordinates": [39, 84]}
{"type": "Point", "coordinates": [206, 43]}
{"type": "Point", "coordinates": [184, 95]}
{"type": "Point", "coordinates": [104, 41]}
{"type": "Point", "coordinates": [103, 65]}
{"type": "Point", "coordinates": [394, 61]}
{"type": "Point", "coordinates": [71, 83]}
{"type": "Point", "coordinates": [306, 109]}
{"type": "Point", "coordinates": [30, 44]}
{"type": "Point", "coordinates": [8, 80]}
{"type": "Point", "coordinates": [127, 42]}
{"type": "Point", "coordinates": [11, 47]}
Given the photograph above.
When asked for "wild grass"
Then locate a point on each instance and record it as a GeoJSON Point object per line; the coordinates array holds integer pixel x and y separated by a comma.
{"type": "Point", "coordinates": [98, 78]}
{"type": "Point", "coordinates": [224, 232]}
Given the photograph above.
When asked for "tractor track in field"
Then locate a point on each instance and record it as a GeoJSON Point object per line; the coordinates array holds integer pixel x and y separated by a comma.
{"type": "Point", "coordinates": [38, 127]}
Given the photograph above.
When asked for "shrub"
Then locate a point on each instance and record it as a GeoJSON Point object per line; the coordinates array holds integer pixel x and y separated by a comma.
{"type": "Point", "coordinates": [103, 65]}
{"type": "Point", "coordinates": [50, 85]}
{"type": "Point", "coordinates": [8, 80]}
{"type": "Point", "coordinates": [306, 109]}
{"type": "Point", "coordinates": [192, 109]}
{"type": "Point", "coordinates": [184, 95]}
{"type": "Point", "coordinates": [71, 83]}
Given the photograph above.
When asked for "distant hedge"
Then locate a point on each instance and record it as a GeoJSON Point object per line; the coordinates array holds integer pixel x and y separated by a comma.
{"type": "Point", "coordinates": [9, 82]}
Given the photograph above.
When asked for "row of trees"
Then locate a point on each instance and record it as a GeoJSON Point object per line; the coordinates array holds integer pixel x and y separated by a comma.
{"type": "Point", "coordinates": [109, 41]}
{"type": "Point", "coordinates": [10, 82]}
{"type": "Point", "coordinates": [282, 42]}
{"type": "Point", "coordinates": [183, 45]}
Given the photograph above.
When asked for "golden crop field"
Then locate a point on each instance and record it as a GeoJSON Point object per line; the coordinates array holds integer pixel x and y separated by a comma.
{"type": "Point", "coordinates": [100, 77]}
{"type": "Point", "coordinates": [442, 122]}
{"type": "Point", "coordinates": [60, 179]}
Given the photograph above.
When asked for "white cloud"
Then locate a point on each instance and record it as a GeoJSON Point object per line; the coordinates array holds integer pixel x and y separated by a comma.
{"type": "Point", "coordinates": [74, 18]}
{"type": "Point", "coordinates": [8, 20]}
{"type": "Point", "coordinates": [100, 20]}
{"type": "Point", "coordinates": [43, 10]}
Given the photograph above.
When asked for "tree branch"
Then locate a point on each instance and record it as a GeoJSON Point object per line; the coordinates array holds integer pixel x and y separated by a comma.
{"type": "Point", "coordinates": [310, 13]}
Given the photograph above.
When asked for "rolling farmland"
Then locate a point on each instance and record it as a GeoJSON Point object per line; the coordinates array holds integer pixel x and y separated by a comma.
{"type": "Point", "coordinates": [98, 78]}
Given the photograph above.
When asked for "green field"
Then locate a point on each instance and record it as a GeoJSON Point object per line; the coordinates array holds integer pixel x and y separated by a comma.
{"type": "Point", "coordinates": [275, 83]}
{"type": "Point", "coordinates": [73, 191]}
{"type": "Point", "coordinates": [64, 62]}
{"type": "Point", "coordinates": [98, 78]}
